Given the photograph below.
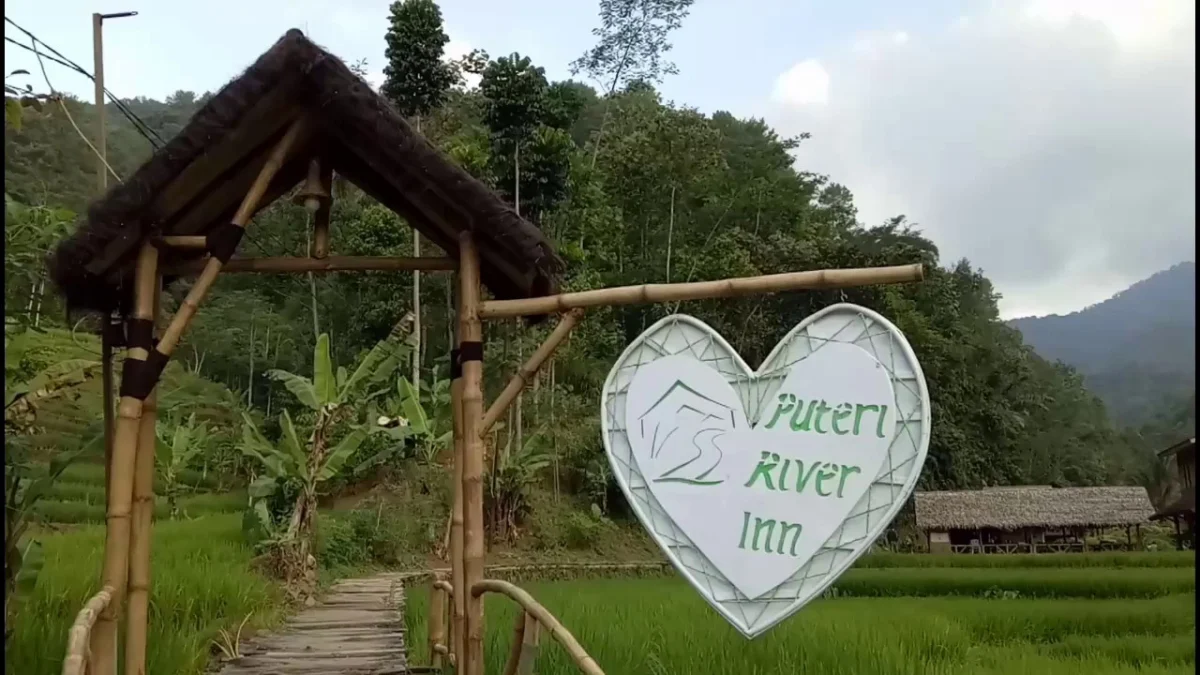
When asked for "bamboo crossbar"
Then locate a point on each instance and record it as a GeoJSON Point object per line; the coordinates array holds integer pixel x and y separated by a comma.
{"type": "Point", "coordinates": [533, 608]}
{"type": "Point", "coordinates": [289, 265]}
{"type": "Point", "coordinates": [702, 290]}
{"type": "Point", "coordinates": [79, 637]}
{"type": "Point", "coordinates": [530, 368]}
{"type": "Point", "coordinates": [184, 241]}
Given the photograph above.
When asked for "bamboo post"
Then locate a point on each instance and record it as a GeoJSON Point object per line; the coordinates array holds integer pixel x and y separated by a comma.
{"type": "Point", "coordinates": [529, 644]}
{"type": "Point", "coordinates": [437, 623]}
{"type": "Point", "coordinates": [138, 614]}
{"type": "Point", "coordinates": [472, 477]}
{"type": "Point", "coordinates": [530, 368]}
{"type": "Point", "coordinates": [120, 486]}
{"type": "Point", "coordinates": [514, 650]}
{"type": "Point", "coordinates": [129, 410]}
{"type": "Point", "coordinates": [457, 579]}
{"type": "Point", "coordinates": [701, 290]}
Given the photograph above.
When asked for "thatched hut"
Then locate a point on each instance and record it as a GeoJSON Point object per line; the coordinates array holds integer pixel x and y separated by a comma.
{"type": "Point", "coordinates": [1027, 518]}
{"type": "Point", "coordinates": [1181, 509]}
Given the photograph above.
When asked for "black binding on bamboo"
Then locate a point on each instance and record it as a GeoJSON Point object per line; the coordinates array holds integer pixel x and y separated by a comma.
{"type": "Point", "coordinates": [223, 240]}
{"type": "Point", "coordinates": [138, 378]}
{"type": "Point", "coordinates": [470, 351]}
{"type": "Point", "coordinates": [139, 333]}
{"type": "Point", "coordinates": [455, 365]}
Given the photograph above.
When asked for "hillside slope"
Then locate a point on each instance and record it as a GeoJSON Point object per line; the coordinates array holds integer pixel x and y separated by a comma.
{"type": "Point", "coordinates": [1136, 350]}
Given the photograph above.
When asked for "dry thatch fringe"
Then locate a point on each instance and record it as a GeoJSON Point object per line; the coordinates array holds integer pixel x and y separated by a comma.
{"type": "Point", "coordinates": [78, 652]}
{"type": "Point", "coordinates": [1037, 506]}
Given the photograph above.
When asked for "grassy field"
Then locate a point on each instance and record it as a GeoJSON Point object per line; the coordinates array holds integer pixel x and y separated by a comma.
{"type": "Point", "coordinates": [1093, 621]}
{"type": "Point", "coordinates": [201, 581]}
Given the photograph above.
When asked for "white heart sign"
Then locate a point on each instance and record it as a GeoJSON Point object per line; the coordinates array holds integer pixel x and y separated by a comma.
{"type": "Point", "coordinates": [762, 487]}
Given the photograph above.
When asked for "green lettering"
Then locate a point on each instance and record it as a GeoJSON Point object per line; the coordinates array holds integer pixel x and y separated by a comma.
{"type": "Point", "coordinates": [783, 475]}
{"type": "Point", "coordinates": [847, 471]}
{"type": "Point", "coordinates": [764, 469]}
{"type": "Point", "coordinates": [795, 529]}
{"type": "Point", "coordinates": [840, 413]}
{"type": "Point", "coordinates": [858, 413]}
{"type": "Point", "coordinates": [759, 526]}
{"type": "Point", "coordinates": [803, 478]}
{"type": "Point", "coordinates": [745, 524]}
{"type": "Point", "coordinates": [804, 424]}
{"type": "Point", "coordinates": [827, 471]}
{"type": "Point", "coordinates": [822, 408]}
{"type": "Point", "coordinates": [879, 424]}
{"type": "Point", "coordinates": [786, 403]}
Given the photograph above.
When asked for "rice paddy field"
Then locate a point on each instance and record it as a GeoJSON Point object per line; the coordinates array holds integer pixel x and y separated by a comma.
{"type": "Point", "coordinates": [78, 497]}
{"type": "Point", "coordinates": [202, 581]}
{"type": "Point", "coordinates": [1099, 614]}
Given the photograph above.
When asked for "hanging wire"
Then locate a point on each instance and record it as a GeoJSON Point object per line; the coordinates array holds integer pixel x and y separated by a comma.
{"type": "Point", "coordinates": [138, 124]}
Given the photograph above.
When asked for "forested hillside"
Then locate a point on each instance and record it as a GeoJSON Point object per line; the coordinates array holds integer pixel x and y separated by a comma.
{"type": "Point", "coordinates": [1136, 350]}
{"type": "Point", "coordinates": [632, 189]}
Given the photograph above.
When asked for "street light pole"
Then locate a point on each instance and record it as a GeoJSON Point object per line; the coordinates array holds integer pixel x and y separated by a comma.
{"type": "Point", "coordinates": [98, 57]}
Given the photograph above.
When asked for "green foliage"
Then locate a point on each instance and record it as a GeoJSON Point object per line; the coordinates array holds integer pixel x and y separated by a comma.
{"type": "Point", "coordinates": [177, 444]}
{"type": "Point", "coordinates": [632, 39]}
{"type": "Point", "coordinates": [417, 78]}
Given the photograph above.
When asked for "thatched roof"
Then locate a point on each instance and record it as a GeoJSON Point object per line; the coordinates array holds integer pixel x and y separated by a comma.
{"type": "Point", "coordinates": [1186, 503]}
{"type": "Point", "coordinates": [197, 180]}
{"type": "Point", "coordinates": [1188, 444]}
{"type": "Point", "coordinates": [1038, 506]}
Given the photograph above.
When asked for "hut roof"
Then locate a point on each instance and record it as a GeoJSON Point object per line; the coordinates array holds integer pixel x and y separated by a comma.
{"type": "Point", "coordinates": [1186, 503]}
{"type": "Point", "coordinates": [198, 179]}
{"type": "Point", "coordinates": [1037, 506]}
{"type": "Point", "coordinates": [1188, 444]}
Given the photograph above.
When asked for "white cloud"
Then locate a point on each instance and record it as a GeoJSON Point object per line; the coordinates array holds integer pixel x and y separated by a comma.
{"type": "Point", "coordinates": [806, 83]}
{"type": "Point", "coordinates": [1052, 143]}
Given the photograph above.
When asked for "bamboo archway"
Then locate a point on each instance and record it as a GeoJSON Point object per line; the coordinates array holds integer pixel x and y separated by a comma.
{"type": "Point", "coordinates": [126, 570]}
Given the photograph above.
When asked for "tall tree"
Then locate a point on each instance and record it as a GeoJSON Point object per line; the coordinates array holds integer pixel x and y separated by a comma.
{"type": "Point", "coordinates": [417, 82]}
{"type": "Point", "coordinates": [514, 92]}
{"type": "Point", "coordinates": [632, 41]}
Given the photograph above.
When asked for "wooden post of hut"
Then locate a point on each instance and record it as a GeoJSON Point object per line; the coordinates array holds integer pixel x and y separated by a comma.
{"type": "Point", "coordinates": [299, 113]}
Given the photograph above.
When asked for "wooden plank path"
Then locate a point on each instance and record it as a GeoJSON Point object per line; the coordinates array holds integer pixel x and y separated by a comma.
{"type": "Point", "coordinates": [356, 629]}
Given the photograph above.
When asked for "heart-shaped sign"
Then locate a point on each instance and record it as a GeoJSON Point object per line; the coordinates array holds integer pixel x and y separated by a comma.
{"type": "Point", "coordinates": [762, 487]}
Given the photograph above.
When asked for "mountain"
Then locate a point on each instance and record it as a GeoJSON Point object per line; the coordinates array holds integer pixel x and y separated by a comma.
{"type": "Point", "coordinates": [1136, 350]}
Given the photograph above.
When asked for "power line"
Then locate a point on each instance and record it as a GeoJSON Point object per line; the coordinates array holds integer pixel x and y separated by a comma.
{"type": "Point", "coordinates": [138, 124]}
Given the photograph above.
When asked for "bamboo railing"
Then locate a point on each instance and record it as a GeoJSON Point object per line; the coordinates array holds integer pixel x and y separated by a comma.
{"type": "Point", "coordinates": [79, 639]}
{"type": "Point", "coordinates": [528, 626]}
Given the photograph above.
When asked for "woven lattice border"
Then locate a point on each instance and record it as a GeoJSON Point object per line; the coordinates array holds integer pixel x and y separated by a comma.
{"type": "Point", "coordinates": [846, 323]}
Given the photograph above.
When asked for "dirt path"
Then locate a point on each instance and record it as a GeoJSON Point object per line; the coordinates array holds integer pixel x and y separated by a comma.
{"type": "Point", "coordinates": [356, 629]}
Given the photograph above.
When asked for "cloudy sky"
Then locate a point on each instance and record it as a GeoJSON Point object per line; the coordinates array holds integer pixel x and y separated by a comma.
{"type": "Point", "coordinates": [1051, 142]}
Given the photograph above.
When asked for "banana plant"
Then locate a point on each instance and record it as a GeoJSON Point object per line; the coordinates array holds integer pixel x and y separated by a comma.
{"type": "Point", "coordinates": [404, 418]}
{"type": "Point", "coordinates": [176, 445]}
{"type": "Point", "coordinates": [330, 393]}
{"type": "Point", "coordinates": [288, 461]}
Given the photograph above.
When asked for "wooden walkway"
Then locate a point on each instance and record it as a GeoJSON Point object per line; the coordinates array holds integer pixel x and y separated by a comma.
{"type": "Point", "coordinates": [356, 629]}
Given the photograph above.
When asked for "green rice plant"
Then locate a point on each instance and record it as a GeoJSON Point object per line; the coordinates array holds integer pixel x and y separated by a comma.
{"type": "Point", "coordinates": [202, 582]}
{"type": "Point", "coordinates": [661, 626]}
{"type": "Point", "coordinates": [1029, 582]}
{"type": "Point", "coordinates": [1107, 559]}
